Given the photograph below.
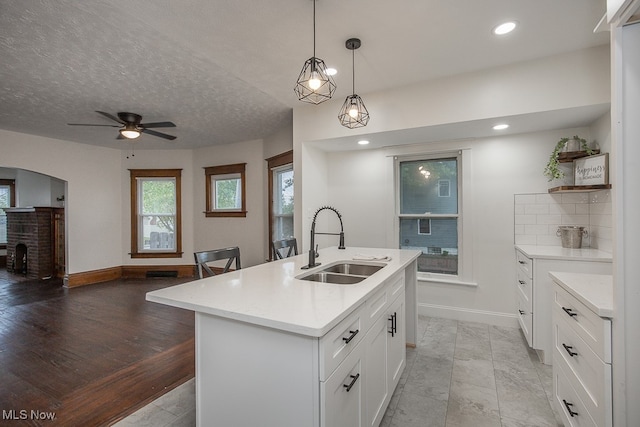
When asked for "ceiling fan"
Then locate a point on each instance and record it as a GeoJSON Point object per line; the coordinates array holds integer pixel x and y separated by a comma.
{"type": "Point", "coordinates": [130, 126]}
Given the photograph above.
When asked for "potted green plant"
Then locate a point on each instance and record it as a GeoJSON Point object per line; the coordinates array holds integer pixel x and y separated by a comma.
{"type": "Point", "coordinates": [552, 170]}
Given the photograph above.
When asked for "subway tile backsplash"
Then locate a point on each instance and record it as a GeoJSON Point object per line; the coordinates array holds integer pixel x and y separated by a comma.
{"type": "Point", "coordinates": [537, 217]}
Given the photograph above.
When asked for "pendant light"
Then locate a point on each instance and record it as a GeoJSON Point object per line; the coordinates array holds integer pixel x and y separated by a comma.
{"type": "Point", "coordinates": [314, 85]}
{"type": "Point", "coordinates": [353, 113]}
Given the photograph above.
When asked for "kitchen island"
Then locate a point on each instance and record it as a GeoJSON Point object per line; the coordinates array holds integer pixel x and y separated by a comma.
{"type": "Point", "coordinates": [275, 350]}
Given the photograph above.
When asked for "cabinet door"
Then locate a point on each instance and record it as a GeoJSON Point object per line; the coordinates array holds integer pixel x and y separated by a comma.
{"type": "Point", "coordinates": [341, 396]}
{"type": "Point", "coordinates": [396, 347]}
{"type": "Point", "coordinates": [376, 371]}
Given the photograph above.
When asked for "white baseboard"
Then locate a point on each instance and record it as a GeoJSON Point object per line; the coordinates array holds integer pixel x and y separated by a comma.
{"type": "Point", "coordinates": [468, 315]}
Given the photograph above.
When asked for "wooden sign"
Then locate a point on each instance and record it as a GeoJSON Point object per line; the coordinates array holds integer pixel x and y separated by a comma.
{"type": "Point", "coordinates": [591, 170]}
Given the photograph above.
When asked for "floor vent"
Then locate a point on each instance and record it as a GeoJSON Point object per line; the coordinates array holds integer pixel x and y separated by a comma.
{"type": "Point", "coordinates": [162, 273]}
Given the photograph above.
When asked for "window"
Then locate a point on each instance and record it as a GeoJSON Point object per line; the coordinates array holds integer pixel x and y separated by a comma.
{"type": "Point", "coordinates": [7, 199]}
{"type": "Point", "coordinates": [428, 213]}
{"type": "Point", "coordinates": [280, 169]}
{"type": "Point", "coordinates": [443, 188]}
{"type": "Point", "coordinates": [424, 226]}
{"type": "Point", "coordinates": [226, 191]}
{"type": "Point", "coordinates": [156, 225]}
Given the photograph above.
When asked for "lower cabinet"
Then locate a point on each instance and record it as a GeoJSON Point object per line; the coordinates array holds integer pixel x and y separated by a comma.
{"type": "Point", "coordinates": [358, 392]}
{"type": "Point", "coordinates": [534, 286]}
{"type": "Point", "coordinates": [385, 360]}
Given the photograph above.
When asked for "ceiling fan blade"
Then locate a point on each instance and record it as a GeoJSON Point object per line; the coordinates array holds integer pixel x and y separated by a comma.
{"type": "Point", "coordinates": [158, 125]}
{"type": "Point", "coordinates": [110, 116]}
{"type": "Point", "coordinates": [89, 124]}
{"type": "Point", "coordinates": [159, 134]}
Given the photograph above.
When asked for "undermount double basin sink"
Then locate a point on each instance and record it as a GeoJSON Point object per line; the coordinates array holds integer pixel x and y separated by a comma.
{"type": "Point", "coordinates": [343, 273]}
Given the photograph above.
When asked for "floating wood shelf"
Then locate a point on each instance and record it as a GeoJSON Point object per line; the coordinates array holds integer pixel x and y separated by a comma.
{"type": "Point", "coordinates": [579, 188]}
{"type": "Point", "coordinates": [570, 156]}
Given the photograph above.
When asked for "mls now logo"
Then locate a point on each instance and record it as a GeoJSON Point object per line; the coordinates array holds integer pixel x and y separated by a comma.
{"type": "Point", "coordinates": [23, 414]}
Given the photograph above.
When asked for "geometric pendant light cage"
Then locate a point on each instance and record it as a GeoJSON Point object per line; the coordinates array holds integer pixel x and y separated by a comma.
{"type": "Point", "coordinates": [314, 85]}
{"type": "Point", "coordinates": [353, 113]}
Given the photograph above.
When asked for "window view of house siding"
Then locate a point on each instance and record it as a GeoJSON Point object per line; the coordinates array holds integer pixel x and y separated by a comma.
{"type": "Point", "coordinates": [428, 191]}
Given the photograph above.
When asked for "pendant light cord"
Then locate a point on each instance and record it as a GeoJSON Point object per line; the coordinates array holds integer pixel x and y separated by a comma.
{"type": "Point", "coordinates": [353, 70]}
{"type": "Point", "coordinates": [314, 28]}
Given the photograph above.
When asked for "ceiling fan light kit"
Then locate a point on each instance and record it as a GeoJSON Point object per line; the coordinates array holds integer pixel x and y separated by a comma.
{"type": "Point", "coordinates": [130, 131]}
{"type": "Point", "coordinates": [353, 113]}
{"type": "Point", "coordinates": [314, 84]}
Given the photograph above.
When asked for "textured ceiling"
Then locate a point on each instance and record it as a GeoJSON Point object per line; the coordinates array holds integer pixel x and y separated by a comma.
{"type": "Point", "coordinates": [224, 71]}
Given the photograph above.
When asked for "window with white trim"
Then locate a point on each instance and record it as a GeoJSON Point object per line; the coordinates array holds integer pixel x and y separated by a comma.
{"type": "Point", "coordinates": [428, 211]}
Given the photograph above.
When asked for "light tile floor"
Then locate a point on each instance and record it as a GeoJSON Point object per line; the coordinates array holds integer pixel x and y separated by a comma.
{"type": "Point", "coordinates": [461, 374]}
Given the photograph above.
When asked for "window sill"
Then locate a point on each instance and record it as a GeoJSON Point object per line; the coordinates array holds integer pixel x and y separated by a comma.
{"type": "Point", "coordinates": [446, 281]}
{"type": "Point", "coordinates": [156, 255]}
{"type": "Point", "coordinates": [234, 214]}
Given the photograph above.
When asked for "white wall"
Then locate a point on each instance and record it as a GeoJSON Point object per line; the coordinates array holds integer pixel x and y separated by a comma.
{"type": "Point", "coordinates": [98, 195]}
{"type": "Point", "coordinates": [360, 185]}
{"type": "Point", "coordinates": [576, 79]}
{"type": "Point", "coordinates": [93, 202]}
{"type": "Point", "coordinates": [248, 233]}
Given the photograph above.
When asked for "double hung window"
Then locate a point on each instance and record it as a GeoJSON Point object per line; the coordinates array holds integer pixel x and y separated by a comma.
{"type": "Point", "coordinates": [428, 211]}
{"type": "Point", "coordinates": [281, 185]}
{"type": "Point", "coordinates": [156, 213]}
{"type": "Point", "coordinates": [282, 202]}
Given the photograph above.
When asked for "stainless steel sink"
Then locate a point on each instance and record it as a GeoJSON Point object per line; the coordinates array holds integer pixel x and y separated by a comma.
{"type": "Point", "coordinates": [343, 273]}
{"type": "Point", "coordinates": [353, 268]}
{"type": "Point", "coordinates": [338, 279]}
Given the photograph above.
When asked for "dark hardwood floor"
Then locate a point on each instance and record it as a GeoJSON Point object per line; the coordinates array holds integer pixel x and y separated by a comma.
{"type": "Point", "coordinates": [91, 355]}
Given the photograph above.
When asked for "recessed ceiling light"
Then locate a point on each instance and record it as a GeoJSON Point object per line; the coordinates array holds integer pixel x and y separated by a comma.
{"type": "Point", "coordinates": [363, 142]}
{"type": "Point", "coordinates": [504, 28]}
{"type": "Point", "coordinates": [501, 126]}
{"type": "Point", "coordinates": [332, 71]}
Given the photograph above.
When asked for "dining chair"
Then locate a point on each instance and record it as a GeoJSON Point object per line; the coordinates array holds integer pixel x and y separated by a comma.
{"type": "Point", "coordinates": [204, 257]}
{"type": "Point", "coordinates": [279, 247]}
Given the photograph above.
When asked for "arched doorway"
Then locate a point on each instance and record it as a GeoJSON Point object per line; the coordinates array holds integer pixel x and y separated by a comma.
{"type": "Point", "coordinates": [33, 243]}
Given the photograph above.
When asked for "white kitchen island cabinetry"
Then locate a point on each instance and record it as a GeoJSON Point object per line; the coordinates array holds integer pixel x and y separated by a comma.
{"type": "Point", "coordinates": [534, 295]}
{"type": "Point", "coordinates": [274, 350]}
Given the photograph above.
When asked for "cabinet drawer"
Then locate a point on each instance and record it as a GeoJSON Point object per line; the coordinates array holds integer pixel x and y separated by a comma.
{"type": "Point", "coordinates": [572, 411]}
{"type": "Point", "coordinates": [525, 287]}
{"type": "Point", "coordinates": [396, 285]}
{"type": "Point", "coordinates": [378, 303]}
{"type": "Point", "coordinates": [593, 329]}
{"type": "Point", "coordinates": [341, 396]}
{"type": "Point", "coordinates": [336, 345]}
{"type": "Point", "coordinates": [590, 376]}
{"type": "Point", "coordinates": [525, 318]}
{"type": "Point", "coordinates": [525, 264]}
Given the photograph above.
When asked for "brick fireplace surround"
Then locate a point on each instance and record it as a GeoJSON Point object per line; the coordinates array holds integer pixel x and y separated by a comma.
{"type": "Point", "coordinates": [31, 227]}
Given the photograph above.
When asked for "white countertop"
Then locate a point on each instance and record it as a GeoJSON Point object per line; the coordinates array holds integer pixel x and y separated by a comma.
{"type": "Point", "coordinates": [593, 290]}
{"type": "Point", "coordinates": [558, 252]}
{"type": "Point", "coordinates": [270, 295]}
